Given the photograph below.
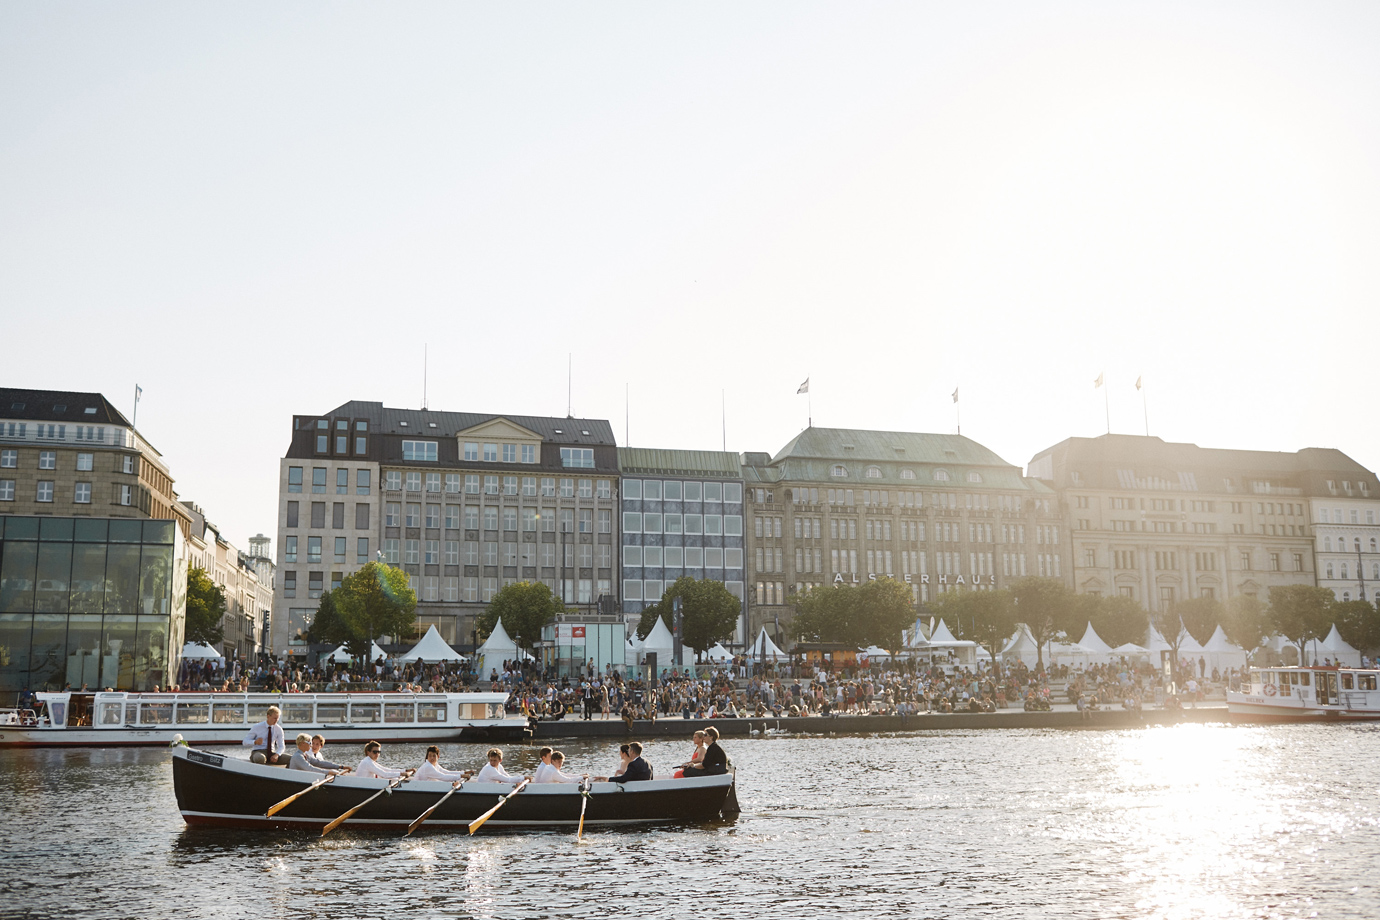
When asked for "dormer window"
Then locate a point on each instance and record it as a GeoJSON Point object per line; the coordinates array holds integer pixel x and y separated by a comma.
{"type": "Point", "coordinates": [975, 477]}
{"type": "Point", "coordinates": [874, 473]}
{"type": "Point", "coordinates": [941, 475]}
{"type": "Point", "coordinates": [402, 424]}
{"type": "Point", "coordinates": [59, 408]}
{"type": "Point", "coordinates": [907, 474]}
{"type": "Point", "coordinates": [90, 410]}
{"type": "Point", "coordinates": [431, 424]}
{"type": "Point", "coordinates": [585, 433]}
{"type": "Point", "coordinates": [839, 470]}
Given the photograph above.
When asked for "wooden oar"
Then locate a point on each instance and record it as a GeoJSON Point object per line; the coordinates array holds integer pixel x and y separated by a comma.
{"type": "Point", "coordinates": [584, 800]}
{"type": "Point", "coordinates": [341, 820]}
{"type": "Point", "coordinates": [454, 788]}
{"type": "Point", "coordinates": [478, 822]}
{"type": "Point", "coordinates": [297, 795]}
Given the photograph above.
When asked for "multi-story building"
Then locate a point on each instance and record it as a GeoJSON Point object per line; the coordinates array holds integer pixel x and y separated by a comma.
{"type": "Point", "coordinates": [248, 600]}
{"type": "Point", "coordinates": [1159, 521]}
{"type": "Point", "coordinates": [1345, 508]}
{"type": "Point", "coordinates": [682, 514]}
{"type": "Point", "coordinates": [75, 454]}
{"type": "Point", "coordinates": [939, 512]}
{"type": "Point", "coordinates": [464, 502]}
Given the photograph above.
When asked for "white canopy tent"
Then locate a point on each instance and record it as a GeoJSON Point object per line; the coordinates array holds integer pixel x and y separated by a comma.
{"type": "Point", "coordinates": [498, 648]}
{"type": "Point", "coordinates": [1131, 650]}
{"type": "Point", "coordinates": [1222, 653]}
{"type": "Point", "coordinates": [1021, 647]}
{"type": "Point", "coordinates": [1339, 650]}
{"type": "Point", "coordinates": [963, 651]}
{"type": "Point", "coordinates": [764, 648]}
{"type": "Point", "coordinates": [1095, 645]}
{"type": "Point", "coordinates": [199, 651]}
{"type": "Point", "coordinates": [718, 653]}
{"type": "Point", "coordinates": [342, 655]}
{"type": "Point", "coordinates": [432, 648]}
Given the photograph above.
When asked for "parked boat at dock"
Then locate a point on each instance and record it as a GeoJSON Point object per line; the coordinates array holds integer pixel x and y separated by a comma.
{"type": "Point", "coordinates": [72, 719]}
{"type": "Point", "coordinates": [1290, 694]}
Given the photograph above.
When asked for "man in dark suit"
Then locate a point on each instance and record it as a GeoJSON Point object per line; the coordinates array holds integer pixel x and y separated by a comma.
{"type": "Point", "coordinates": [638, 769]}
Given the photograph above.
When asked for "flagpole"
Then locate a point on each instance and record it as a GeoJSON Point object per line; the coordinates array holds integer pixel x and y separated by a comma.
{"type": "Point", "coordinates": [1107, 405]}
{"type": "Point", "coordinates": [1145, 410]}
{"type": "Point", "coordinates": [809, 408]}
{"type": "Point", "coordinates": [958, 414]}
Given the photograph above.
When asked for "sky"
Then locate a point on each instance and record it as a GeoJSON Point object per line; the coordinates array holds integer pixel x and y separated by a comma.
{"type": "Point", "coordinates": [253, 210]}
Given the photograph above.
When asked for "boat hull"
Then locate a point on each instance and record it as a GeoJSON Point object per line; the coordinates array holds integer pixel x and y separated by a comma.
{"type": "Point", "coordinates": [1247, 707]}
{"type": "Point", "coordinates": [213, 790]}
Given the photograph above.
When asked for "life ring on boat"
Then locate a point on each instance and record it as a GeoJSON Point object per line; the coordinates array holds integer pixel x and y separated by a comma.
{"type": "Point", "coordinates": [1269, 689]}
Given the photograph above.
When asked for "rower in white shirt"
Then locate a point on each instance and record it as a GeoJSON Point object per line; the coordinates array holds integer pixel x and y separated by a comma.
{"type": "Point", "coordinates": [556, 776]}
{"type": "Point", "coordinates": [431, 768]}
{"type": "Point", "coordinates": [543, 772]}
{"type": "Point", "coordinates": [493, 771]}
{"type": "Point", "coordinates": [371, 767]}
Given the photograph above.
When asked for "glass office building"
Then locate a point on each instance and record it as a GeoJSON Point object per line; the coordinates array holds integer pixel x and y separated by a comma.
{"type": "Point", "coordinates": [91, 602]}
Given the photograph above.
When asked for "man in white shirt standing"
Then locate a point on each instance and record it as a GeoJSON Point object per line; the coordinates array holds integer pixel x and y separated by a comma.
{"type": "Point", "coordinates": [266, 738]}
{"type": "Point", "coordinates": [493, 771]}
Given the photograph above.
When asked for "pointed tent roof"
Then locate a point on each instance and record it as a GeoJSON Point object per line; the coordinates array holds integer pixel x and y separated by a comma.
{"type": "Point", "coordinates": [432, 648]}
{"type": "Point", "coordinates": [498, 640]}
{"type": "Point", "coordinates": [1130, 648]}
{"type": "Point", "coordinates": [942, 634]}
{"type": "Point", "coordinates": [199, 650]}
{"type": "Point", "coordinates": [1220, 643]}
{"type": "Point", "coordinates": [763, 647]}
{"type": "Point", "coordinates": [633, 641]}
{"type": "Point", "coordinates": [1022, 641]}
{"type": "Point", "coordinates": [1190, 645]}
{"type": "Point", "coordinates": [659, 640]}
{"type": "Point", "coordinates": [1093, 642]}
{"type": "Point", "coordinates": [1156, 642]}
{"type": "Point", "coordinates": [343, 655]}
{"type": "Point", "coordinates": [1340, 648]}
{"type": "Point", "coordinates": [718, 653]}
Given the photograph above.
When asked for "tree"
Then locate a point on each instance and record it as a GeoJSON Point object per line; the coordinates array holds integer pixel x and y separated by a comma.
{"type": "Point", "coordinates": [205, 608]}
{"type": "Point", "coordinates": [524, 607]}
{"type": "Point", "coordinates": [1120, 619]}
{"type": "Point", "coordinates": [1358, 623]}
{"type": "Point", "coordinates": [870, 614]}
{"type": "Point", "coordinates": [1245, 622]}
{"type": "Point", "coordinates": [375, 601]}
{"type": "Point", "coordinates": [1200, 616]}
{"type": "Point", "coordinates": [326, 624]}
{"type": "Point", "coordinates": [709, 612]}
{"type": "Point", "coordinates": [1042, 604]}
{"type": "Point", "coordinates": [985, 617]}
{"type": "Point", "coordinates": [1301, 613]}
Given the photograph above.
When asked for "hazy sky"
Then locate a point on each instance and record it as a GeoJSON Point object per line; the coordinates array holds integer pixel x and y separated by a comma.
{"type": "Point", "coordinates": [255, 210]}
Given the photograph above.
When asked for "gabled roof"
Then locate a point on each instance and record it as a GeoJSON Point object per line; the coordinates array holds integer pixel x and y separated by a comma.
{"type": "Point", "coordinates": [714, 463]}
{"type": "Point", "coordinates": [384, 420]}
{"type": "Point", "coordinates": [59, 406]}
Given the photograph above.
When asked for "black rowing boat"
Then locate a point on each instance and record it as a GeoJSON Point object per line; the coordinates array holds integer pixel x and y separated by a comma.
{"type": "Point", "coordinates": [216, 790]}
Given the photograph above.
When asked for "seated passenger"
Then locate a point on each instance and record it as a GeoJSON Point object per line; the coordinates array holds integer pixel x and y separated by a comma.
{"type": "Point", "coordinates": [637, 770]}
{"type": "Point", "coordinates": [431, 768]}
{"type": "Point", "coordinates": [370, 766]}
{"type": "Point", "coordinates": [493, 771]}
{"type": "Point", "coordinates": [544, 768]}
{"type": "Point", "coordinates": [304, 759]}
{"type": "Point", "coordinates": [714, 762]}
{"type": "Point", "coordinates": [556, 776]}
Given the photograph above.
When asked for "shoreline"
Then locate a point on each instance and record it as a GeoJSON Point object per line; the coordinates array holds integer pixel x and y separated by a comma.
{"type": "Point", "coordinates": [1059, 717]}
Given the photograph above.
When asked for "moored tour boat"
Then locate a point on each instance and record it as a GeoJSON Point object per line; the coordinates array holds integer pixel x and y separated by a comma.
{"type": "Point", "coordinates": [216, 790]}
{"type": "Point", "coordinates": [154, 719]}
{"type": "Point", "coordinates": [1288, 694]}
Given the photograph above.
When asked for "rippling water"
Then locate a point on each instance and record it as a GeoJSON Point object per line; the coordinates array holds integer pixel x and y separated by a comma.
{"type": "Point", "coordinates": [1186, 821]}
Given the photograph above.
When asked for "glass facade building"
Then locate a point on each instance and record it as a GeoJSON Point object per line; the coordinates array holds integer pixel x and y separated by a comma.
{"type": "Point", "coordinates": [91, 602]}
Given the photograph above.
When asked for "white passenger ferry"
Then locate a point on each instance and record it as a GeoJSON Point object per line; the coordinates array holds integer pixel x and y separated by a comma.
{"type": "Point", "coordinates": [109, 719]}
{"type": "Point", "coordinates": [1307, 694]}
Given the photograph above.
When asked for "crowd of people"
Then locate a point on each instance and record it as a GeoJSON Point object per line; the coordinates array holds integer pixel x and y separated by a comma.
{"type": "Point", "coordinates": [267, 746]}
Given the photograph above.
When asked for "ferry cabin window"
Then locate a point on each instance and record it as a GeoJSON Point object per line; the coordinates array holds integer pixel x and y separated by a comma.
{"type": "Point", "coordinates": [495, 710]}
{"type": "Point", "coordinates": [113, 713]}
{"type": "Point", "coordinates": [297, 713]}
{"type": "Point", "coordinates": [330, 712]}
{"type": "Point", "coordinates": [1365, 681]}
{"type": "Point", "coordinates": [1347, 683]}
{"type": "Point", "coordinates": [1302, 678]}
{"type": "Point", "coordinates": [227, 713]}
{"type": "Point", "coordinates": [257, 712]}
{"type": "Point", "coordinates": [398, 712]}
{"type": "Point", "coordinates": [193, 713]}
{"type": "Point", "coordinates": [431, 712]}
{"type": "Point", "coordinates": [155, 713]}
{"type": "Point", "coordinates": [361, 713]}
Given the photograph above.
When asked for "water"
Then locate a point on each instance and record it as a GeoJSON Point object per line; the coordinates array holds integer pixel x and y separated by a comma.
{"type": "Point", "coordinates": [1177, 822]}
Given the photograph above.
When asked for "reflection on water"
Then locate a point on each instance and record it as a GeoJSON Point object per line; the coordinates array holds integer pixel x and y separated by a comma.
{"type": "Point", "coordinates": [1178, 822]}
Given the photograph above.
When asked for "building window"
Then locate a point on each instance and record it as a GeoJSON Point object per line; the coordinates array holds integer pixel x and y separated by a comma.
{"type": "Point", "coordinates": [1274, 562]}
{"type": "Point", "coordinates": [529, 453]}
{"type": "Point", "coordinates": [839, 470]}
{"type": "Point", "coordinates": [340, 550]}
{"type": "Point", "coordinates": [314, 584]}
{"type": "Point", "coordinates": [941, 475]}
{"type": "Point", "coordinates": [453, 483]}
{"type": "Point", "coordinates": [289, 549]}
{"type": "Point", "coordinates": [85, 462]}
{"type": "Point", "coordinates": [433, 482]}
{"type": "Point", "coordinates": [471, 450]}
{"type": "Point", "coordinates": [975, 477]}
{"type": "Point", "coordinates": [6, 490]}
{"type": "Point", "coordinates": [45, 491]}
{"type": "Point", "coordinates": [126, 494]}
{"type": "Point", "coordinates": [82, 495]}
{"type": "Point", "coordinates": [9, 459]}
{"type": "Point", "coordinates": [318, 514]}
{"type": "Point", "coordinates": [414, 516]}
{"type": "Point", "coordinates": [289, 584]}
{"type": "Point", "coordinates": [392, 480]}
{"type": "Point", "coordinates": [419, 450]}
{"type": "Point", "coordinates": [471, 483]}
{"type": "Point", "coordinates": [414, 482]}
{"type": "Point", "coordinates": [362, 482]}
{"type": "Point", "coordinates": [313, 549]}
{"type": "Point", "coordinates": [318, 480]}
{"type": "Point", "coordinates": [577, 457]}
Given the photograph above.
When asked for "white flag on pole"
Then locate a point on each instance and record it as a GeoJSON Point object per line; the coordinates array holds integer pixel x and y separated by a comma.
{"type": "Point", "coordinates": [1098, 382]}
{"type": "Point", "coordinates": [804, 387]}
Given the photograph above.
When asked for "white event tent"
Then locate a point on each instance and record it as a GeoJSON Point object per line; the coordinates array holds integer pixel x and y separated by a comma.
{"type": "Point", "coordinates": [941, 639]}
{"type": "Point", "coordinates": [432, 648]}
{"type": "Point", "coordinates": [342, 655]}
{"type": "Point", "coordinates": [498, 648]}
{"type": "Point", "coordinates": [1222, 653]}
{"type": "Point", "coordinates": [1099, 652]}
{"type": "Point", "coordinates": [1339, 650]}
{"type": "Point", "coordinates": [199, 651]}
{"type": "Point", "coordinates": [763, 647]}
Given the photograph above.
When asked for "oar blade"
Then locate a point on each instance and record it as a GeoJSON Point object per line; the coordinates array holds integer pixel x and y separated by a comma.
{"type": "Point", "coordinates": [478, 822]}
{"type": "Point", "coordinates": [297, 795]}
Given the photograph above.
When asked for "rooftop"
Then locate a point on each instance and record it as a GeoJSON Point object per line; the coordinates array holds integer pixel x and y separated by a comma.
{"type": "Point", "coordinates": [384, 420]}
{"type": "Point", "coordinates": [59, 406]}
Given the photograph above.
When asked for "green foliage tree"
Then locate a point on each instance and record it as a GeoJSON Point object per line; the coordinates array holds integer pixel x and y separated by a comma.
{"type": "Point", "coordinates": [205, 608]}
{"type": "Point", "coordinates": [326, 624]}
{"type": "Point", "coordinates": [1245, 621]}
{"type": "Point", "coordinates": [709, 612]}
{"type": "Point", "coordinates": [375, 601]}
{"type": "Point", "coordinates": [1358, 622]}
{"type": "Point", "coordinates": [1200, 616]}
{"type": "Point", "coordinates": [985, 617]}
{"type": "Point", "coordinates": [870, 614]}
{"type": "Point", "coordinates": [1043, 605]}
{"type": "Point", "coordinates": [1301, 613]}
{"type": "Point", "coordinates": [1120, 619]}
{"type": "Point", "coordinates": [524, 607]}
